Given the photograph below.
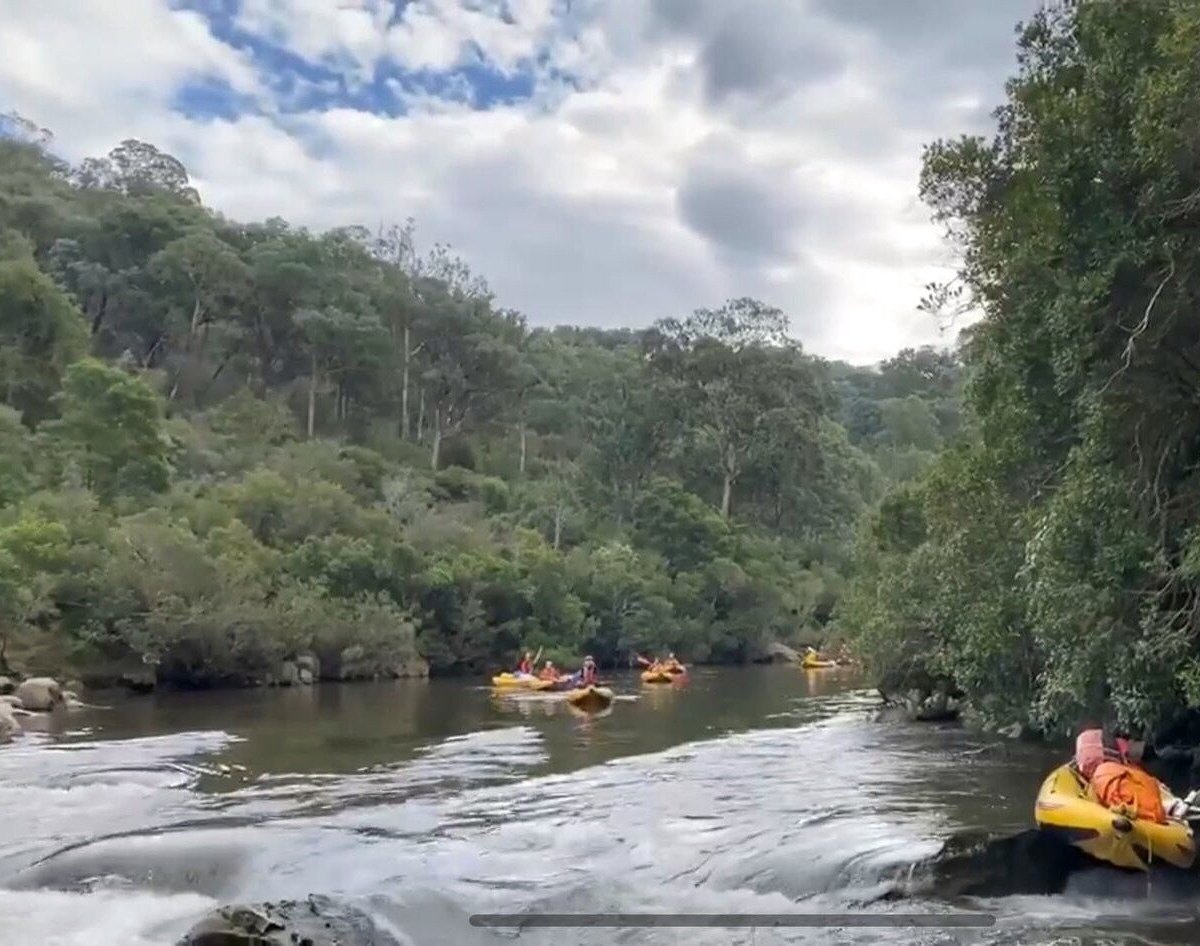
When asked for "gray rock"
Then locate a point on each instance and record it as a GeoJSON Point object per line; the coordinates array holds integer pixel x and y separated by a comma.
{"type": "Point", "coordinates": [414, 669]}
{"type": "Point", "coordinates": [783, 653]}
{"type": "Point", "coordinates": [310, 663]}
{"type": "Point", "coordinates": [288, 675]}
{"type": "Point", "coordinates": [9, 727]}
{"type": "Point", "coordinates": [13, 701]}
{"type": "Point", "coordinates": [317, 921]}
{"type": "Point", "coordinates": [306, 677]}
{"type": "Point", "coordinates": [7, 685]}
{"type": "Point", "coordinates": [40, 694]}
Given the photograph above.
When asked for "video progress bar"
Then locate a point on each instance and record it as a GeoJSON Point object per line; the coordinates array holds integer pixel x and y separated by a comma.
{"type": "Point", "coordinates": [733, 920]}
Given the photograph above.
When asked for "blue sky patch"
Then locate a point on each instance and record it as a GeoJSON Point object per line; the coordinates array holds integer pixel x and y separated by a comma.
{"type": "Point", "coordinates": [298, 85]}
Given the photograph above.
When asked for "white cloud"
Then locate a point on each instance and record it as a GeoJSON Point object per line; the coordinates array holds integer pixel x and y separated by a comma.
{"type": "Point", "coordinates": [707, 149]}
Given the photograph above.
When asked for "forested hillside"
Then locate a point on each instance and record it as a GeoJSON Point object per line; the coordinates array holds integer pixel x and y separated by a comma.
{"type": "Point", "coordinates": [1048, 564]}
{"type": "Point", "coordinates": [225, 444]}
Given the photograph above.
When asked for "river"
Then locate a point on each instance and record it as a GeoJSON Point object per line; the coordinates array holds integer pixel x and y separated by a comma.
{"type": "Point", "coordinates": [763, 790]}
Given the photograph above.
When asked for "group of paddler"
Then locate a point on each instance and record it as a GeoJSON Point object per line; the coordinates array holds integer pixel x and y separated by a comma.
{"type": "Point", "coordinates": [582, 688]}
{"type": "Point", "coordinates": [662, 671]}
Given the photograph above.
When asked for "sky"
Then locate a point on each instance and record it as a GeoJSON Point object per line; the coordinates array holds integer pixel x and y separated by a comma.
{"type": "Point", "coordinates": [600, 162]}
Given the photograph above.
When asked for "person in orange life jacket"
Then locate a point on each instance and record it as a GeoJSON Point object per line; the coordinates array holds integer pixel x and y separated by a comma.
{"type": "Point", "coordinates": [548, 672]}
{"type": "Point", "coordinates": [1111, 765]}
{"type": "Point", "coordinates": [526, 664]}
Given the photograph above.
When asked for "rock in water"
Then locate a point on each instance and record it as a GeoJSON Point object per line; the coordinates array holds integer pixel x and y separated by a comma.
{"type": "Point", "coordinates": [7, 685]}
{"type": "Point", "coordinates": [40, 693]}
{"type": "Point", "coordinates": [783, 653]}
{"type": "Point", "coordinates": [9, 727]}
{"type": "Point", "coordinates": [310, 663]}
{"type": "Point", "coordinates": [1030, 863]}
{"type": "Point", "coordinates": [288, 674]}
{"type": "Point", "coordinates": [317, 921]}
{"type": "Point", "coordinates": [306, 677]}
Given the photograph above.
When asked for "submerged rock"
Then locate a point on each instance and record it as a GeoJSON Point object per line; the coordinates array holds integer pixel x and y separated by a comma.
{"type": "Point", "coordinates": [1027, 863]}
{"type": "Point", "coordinates": [40, 693]}
{"type": "Point", "coordinates": [317, 921]}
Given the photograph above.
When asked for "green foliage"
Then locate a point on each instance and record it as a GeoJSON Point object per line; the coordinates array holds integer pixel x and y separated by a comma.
{"type": "Point", "coordinates": [40, 334]}
{"type": "Point", "coordinates": [1048, 565]}
{"type": "Point", "coordinates": [224, 444]}
{"type": "Point", "coordinates": [111, 428]}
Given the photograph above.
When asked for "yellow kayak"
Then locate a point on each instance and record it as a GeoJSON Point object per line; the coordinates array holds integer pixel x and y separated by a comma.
{"type": "Point", "coordinates": [656, 676]}
{"type": "Point", "coordinates": [1066, 808]}
{"type": "Point", "coordinates": [590, 697]}
{"type": "Point", "coordinates": [816, 663]}
{"type": "Point", "coordinates": [521, 682]}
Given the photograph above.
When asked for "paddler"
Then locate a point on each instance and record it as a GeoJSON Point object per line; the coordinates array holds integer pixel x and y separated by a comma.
{"type": "Point", "coordinates": [548, 672]}
{"type": "Point", "coordinates": [587, 673]}
{"type": "Point", "coordinates": [672, 665]}
{"type": "Point", "coordinates": [1111, 763]}
{"type": "Point", "coordinates": [526, 665]}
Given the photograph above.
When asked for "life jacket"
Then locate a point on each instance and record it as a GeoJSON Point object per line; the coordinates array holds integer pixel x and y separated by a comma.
{"type": "Point", "coordinates": [548, 673]}
{"type": "Point", "coordinates": [525, 666]}
{"type": "Point", "coordinates": [1119, 785]}
{"type": "Point", "coordinates": [1094, 746]}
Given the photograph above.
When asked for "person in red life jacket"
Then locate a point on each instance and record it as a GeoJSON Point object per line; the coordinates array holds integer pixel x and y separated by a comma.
{"type": "Point", "coordinates": [526, 664]}
{"type": "Point", "coordinates": [1112, 766]}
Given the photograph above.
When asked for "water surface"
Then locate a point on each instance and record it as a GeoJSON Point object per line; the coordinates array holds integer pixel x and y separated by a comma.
{"type": "Point", "coordinates": [764, 790]}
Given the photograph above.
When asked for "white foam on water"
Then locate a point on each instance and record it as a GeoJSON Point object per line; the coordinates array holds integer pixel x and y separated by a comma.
{"type": "Point", "coordinates": [103, 918]}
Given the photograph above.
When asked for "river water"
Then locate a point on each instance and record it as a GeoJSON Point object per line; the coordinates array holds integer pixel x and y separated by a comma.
{"type": "Point", "coordinates": [758, 791]}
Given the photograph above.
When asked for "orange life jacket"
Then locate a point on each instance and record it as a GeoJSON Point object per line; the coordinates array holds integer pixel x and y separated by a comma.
{"type": "Point", "coordinates": [1119, 785]}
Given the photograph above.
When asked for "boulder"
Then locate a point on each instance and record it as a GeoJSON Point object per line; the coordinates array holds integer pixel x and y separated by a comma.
{"type": "Point", "coordinates": [310, 663]}
{"type": "Point", "coordinates": [782, 653]}
{"type": "Point", "coordinates": [40, 693]}
{"type": "Point", "coordinates": [305, 676]}
{"type": "Point", "coordinates": [7, 685]}
{"type": "Point", "coordinates": [12, 700]}
{"type": "Point", "coordinates": [415, 668]}
{"type": "Point", "coordinates": [9, 727]}
{"type": "Point", "coordinates": [288, 675]}
{"type": "Point", "coordinates": [317, 921]}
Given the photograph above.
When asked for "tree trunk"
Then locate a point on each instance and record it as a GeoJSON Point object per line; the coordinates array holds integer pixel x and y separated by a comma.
{"type": "Point", "coordinates": [731, 473]}
{"type": "Point", "coordinates": [421, 418]}
{"type": "Point", "coordinates": [312, 396]}
{"type": "Point", "coordinates": [524, 447]}
{"type": "Point", "coordinates": [435, 454]}
{"type": "Point", "coordinates": [405, 367]}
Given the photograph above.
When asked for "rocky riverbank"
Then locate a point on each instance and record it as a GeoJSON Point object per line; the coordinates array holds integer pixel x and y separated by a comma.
{"type": "Point", "coordinates": [36, 696]}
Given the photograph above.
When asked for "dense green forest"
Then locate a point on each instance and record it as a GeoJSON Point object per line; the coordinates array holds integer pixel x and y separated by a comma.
{"type": "Point", "coordinates": [223, 445]}
{"type": "Point", "coordinates": [1047, 564]}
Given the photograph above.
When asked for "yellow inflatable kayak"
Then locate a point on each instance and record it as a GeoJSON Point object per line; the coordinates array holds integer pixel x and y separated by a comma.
{"type": "Point", "coordinates": [656, 676]}
{"type": "Point", "coordinates": [590, 697]}
{"type": "Point", "coordinates": [1066, 808]}
{"type": "Point", "coordinates": [513, 681]}
{"type": "Point", "coordinates": [816, 663]}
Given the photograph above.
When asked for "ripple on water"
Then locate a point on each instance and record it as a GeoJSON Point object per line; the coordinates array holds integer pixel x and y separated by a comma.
{"type": "Point", "coordinates": [813, 817]}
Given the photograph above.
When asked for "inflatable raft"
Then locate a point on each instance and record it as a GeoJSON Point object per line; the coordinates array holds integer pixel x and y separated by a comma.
{"type": "Point", "coordinates": [656, 676]}
{"type": "Point", "coordinates": [1066, 809]}
{"type": "Point", "coordinates": [816, 663]}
